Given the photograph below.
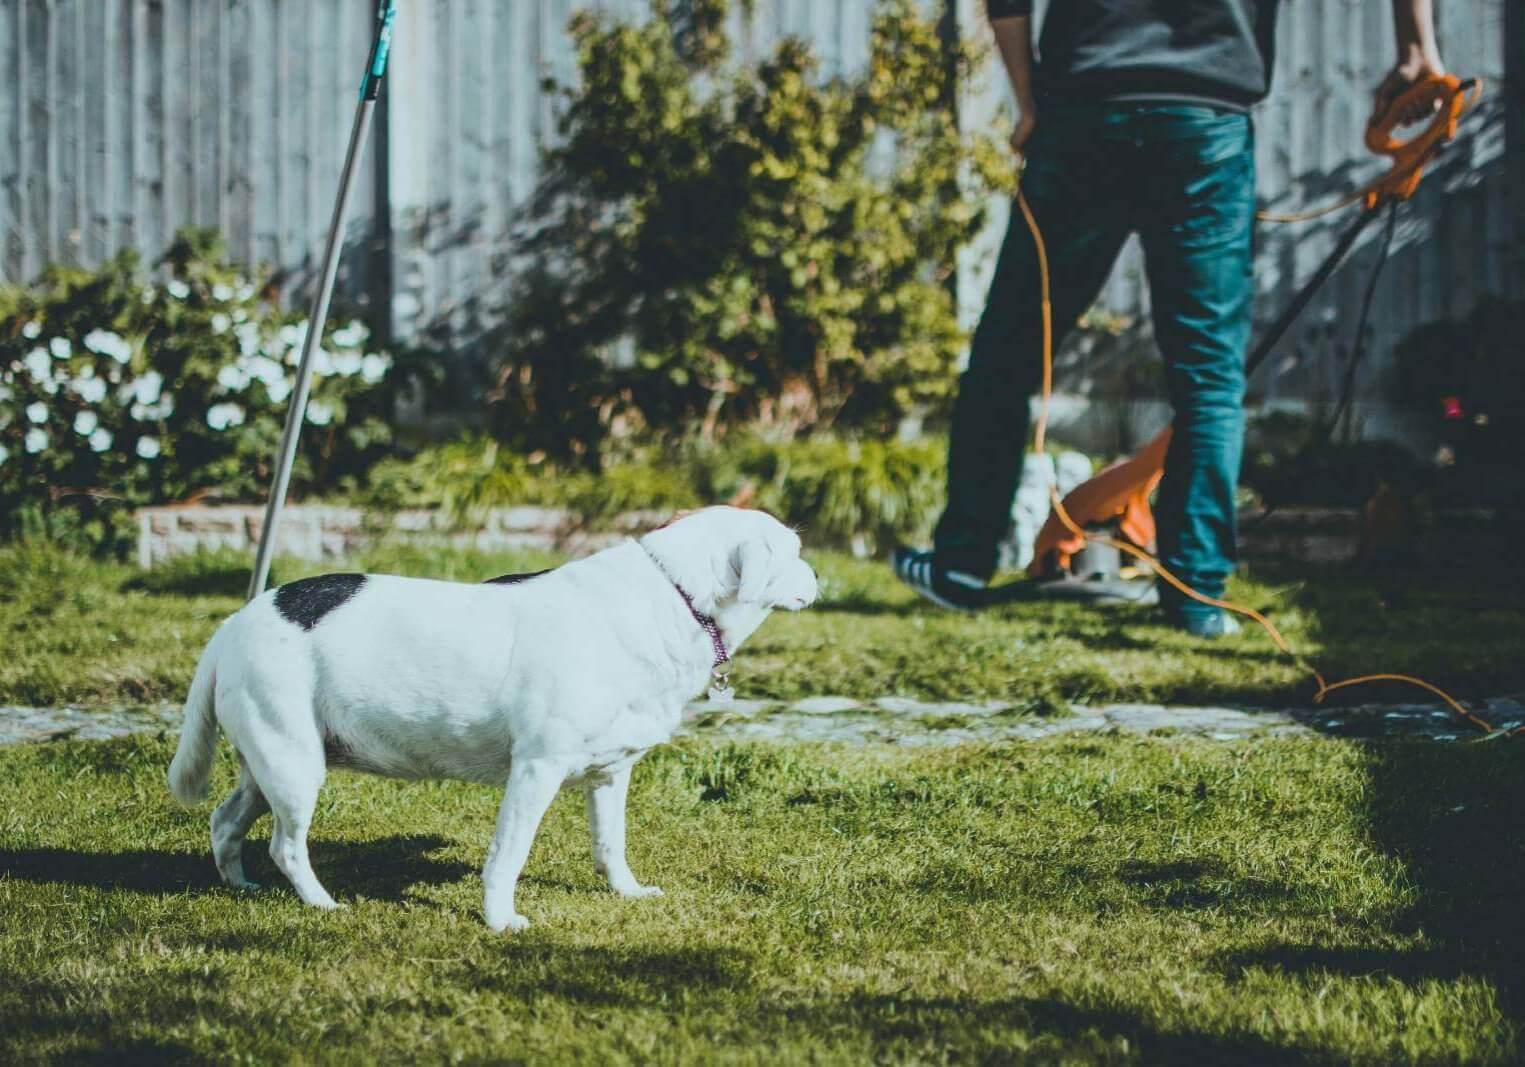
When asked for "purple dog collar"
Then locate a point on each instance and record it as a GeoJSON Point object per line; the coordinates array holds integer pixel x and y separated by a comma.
{"type": "Point", "coordinates": [720, 670]}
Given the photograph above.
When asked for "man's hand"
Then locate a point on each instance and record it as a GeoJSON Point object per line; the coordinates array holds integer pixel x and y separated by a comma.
{"type": "Point", "coordinates": [1418, 58]}
{"type": "Point", "coordinates": [1027, 121]}
{"type": "Point", "coordinates": [1405, 74]}
{"type": "Point", "coordinates": [1013, 38]}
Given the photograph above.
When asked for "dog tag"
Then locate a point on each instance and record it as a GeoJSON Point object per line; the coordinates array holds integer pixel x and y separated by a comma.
{"type": "Point", "coordinates": [720, 691]}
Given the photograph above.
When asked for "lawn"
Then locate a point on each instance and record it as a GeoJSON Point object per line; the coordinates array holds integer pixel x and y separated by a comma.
{"type": "Point", "coordinates": [86, 632]}
{"type": "Point", "coordinates": [1107, 900]}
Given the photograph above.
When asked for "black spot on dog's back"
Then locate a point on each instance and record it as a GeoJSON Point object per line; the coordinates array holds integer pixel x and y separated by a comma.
{"type": "Point", "coordinates": [514, 579]}
{"type": "Point", "coordinates": [307, 601]}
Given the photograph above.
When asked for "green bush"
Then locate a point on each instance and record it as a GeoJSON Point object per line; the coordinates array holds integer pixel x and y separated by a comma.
{"type": "Point", "coordinates": [116, 391]}
{"type": "Point", "coordinates": [866, 494]}
{"type": "Point", "coordinates": [723, 245]}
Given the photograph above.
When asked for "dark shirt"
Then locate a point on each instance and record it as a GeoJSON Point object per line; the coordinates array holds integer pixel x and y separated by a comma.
{"type": "Point", "coordinates": [1201, 51]}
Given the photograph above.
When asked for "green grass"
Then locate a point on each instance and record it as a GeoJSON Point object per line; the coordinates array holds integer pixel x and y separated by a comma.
{"type": "Point", "coordinates": [77, 631]}
{"type": "Point", "coordinates": [1107, 900]}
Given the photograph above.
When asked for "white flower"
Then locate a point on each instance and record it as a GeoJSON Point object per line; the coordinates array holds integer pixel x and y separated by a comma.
{"type": "Point", "coordinates": [374, 367]}
{"type": "Point", "coordinates": [348, 363]}
{"type": "Point", "coordinates": [5, 453]}
{"type": "Point", "coordinates": [319, 413]}
{"type": "Point", "coordinates": [220, 323]}
{"type": "Point", "coordinates": [148, 294]}
{"type": "Point", "coordinates": [263, 369]}
{"type": "Point", "coordinates": [179, 290]}
{"type": "Point", "coordinates": [233, 378]}
{"type": "Point", "coordinates": [292, 336]}
{"type": "Point", "coordinates": [91, 390]}
{"type": "Point", "coordinates": [100, 440]}
{"type": "Point", "coordinates": [148, 447]}
{"type": "Point", "coordinates": [85, 423]}
{"type": "Point", "coordinates": [163, 409]}
{"type": "Point", "coordinates": [279, 390]}
{"type": "Point", "coordinates": [147, 388]}
{"type": "Point", "coordinates": [61, 348]}
{"type": "Point", "coordinates": [50, 387]}
{"type": "Point", "coordinates": [245, 291]}
{"type": "Point", "coordinates": [222, 292]}
{"type": "Point", "coordinates": [110, 344]}
{"type": "Point", "coordinates": [248, 338]}
{"type": "Point", "coordinates": [322, 362]}
{"type": "Point", "coordinates": [5, 392]}
{"type": "Point", "coordinates": [36, 440]}
{"type": "Point", "coordinates": [38, 364]}
{"type": "Point", "coordinates": [37, 411]}
{"type": "Point", "coordinates": [351, 336]}
{"type": "Point", "coordinates": [32, 330]}
{"type": "Point", "coordinates": [240, 315]}
{"type": "Point", "coordinates": [221, 416]}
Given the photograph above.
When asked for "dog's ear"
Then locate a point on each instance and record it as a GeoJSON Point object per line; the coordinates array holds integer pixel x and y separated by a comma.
{"type": "Point", "coordinates": [682, 513]}
{"type": "Point", "coordinates": [754, 565]}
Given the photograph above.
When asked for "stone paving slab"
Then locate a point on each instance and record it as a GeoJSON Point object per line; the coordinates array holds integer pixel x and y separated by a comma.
{"type": "Point", "coordinates": [905, 721]}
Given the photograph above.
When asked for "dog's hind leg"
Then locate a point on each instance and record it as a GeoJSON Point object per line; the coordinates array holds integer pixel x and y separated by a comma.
{"type": "Point", "coordinates": [230, 824]}
{"type": "Point", "coordinates": [288, 767]}
{"type": "Point", "coordinates": [606, 820]}
{"type": "Point", "coordinates": [532, 785]}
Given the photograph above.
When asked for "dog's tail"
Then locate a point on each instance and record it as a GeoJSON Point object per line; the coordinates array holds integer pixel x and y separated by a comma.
{"type": "Point", "coordinates": [191, 768]}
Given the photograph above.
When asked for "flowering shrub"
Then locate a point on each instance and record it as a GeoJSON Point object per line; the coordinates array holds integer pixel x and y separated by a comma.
{"type": "Point", "coordinates": [115, 390]}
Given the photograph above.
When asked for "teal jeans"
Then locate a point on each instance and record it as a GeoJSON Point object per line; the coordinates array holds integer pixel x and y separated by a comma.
{"type": "Point", "coordinates": [1183, 178]}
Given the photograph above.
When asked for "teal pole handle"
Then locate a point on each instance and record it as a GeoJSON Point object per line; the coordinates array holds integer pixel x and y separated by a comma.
{"type": "Point", "coordinates": [381, 50]}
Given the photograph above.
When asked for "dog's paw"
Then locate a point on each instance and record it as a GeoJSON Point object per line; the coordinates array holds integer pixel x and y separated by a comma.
{"type": "Point", "coordinates": [635, 892]}
{"type": "Point", "coordinates": [512, 924]}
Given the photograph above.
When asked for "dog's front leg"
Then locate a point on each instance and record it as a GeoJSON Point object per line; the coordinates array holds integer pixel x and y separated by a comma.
{"type": "Point", "coordinates": [532, 785]}
{"type": "Point", "coordinates": [606, 819]}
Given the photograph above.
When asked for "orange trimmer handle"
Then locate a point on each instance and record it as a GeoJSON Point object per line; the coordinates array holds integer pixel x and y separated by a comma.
{"type": "Point", "coordinates": [1445, 90]}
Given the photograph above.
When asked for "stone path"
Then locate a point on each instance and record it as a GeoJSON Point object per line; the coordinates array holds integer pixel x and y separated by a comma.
{"type": "Point", "coordinates": [898, 720]}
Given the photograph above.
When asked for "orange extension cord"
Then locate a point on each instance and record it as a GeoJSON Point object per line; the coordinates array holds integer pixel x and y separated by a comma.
{"type": "Point", "coordinates": [1383, 187]}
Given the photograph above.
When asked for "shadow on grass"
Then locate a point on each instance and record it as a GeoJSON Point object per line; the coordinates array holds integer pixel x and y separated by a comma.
{"type": "Point", "coordinates": [383, 869]}
{"type": "Point", "coordinates": [198, 574]}
{"type": "Point", "coordinates": [865, 604]}
{"type": "Point", "coordinates": [606, 978]}
{"type": "Point", "coordinates": [619, 977]}
{"type": "Point", "coordinates": [1044, 1029]}
{"type": "Point", "coordinates": [1451, 815]}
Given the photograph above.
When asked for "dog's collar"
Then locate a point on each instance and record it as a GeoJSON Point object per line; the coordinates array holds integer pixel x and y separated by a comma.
{"type": "Point", "coordinates": [720, 669]}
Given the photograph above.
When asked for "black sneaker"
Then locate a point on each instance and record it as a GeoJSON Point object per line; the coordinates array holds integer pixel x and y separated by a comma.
{"type": "Point", "coordinates": [955, 590]}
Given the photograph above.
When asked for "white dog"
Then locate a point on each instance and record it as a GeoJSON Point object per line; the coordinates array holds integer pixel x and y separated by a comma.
{"type": "Point", "coordinates": [565, 676]}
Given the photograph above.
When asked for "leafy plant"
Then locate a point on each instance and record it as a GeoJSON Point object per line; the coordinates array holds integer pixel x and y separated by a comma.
{"type": "Point", "coordinates": [722, 245]}
{"type": "Point", "coordinates": [117, 392]}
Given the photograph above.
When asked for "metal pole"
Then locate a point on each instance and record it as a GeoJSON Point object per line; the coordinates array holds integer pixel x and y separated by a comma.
{"type": "Point", "coordinates": [317, 316]}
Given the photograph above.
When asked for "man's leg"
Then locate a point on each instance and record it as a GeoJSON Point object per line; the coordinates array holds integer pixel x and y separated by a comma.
{"type": "Point", "coordinates": [1197, 212]}
{"type": "Point", "coordinates": [1069, 184]}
